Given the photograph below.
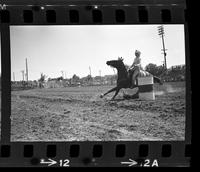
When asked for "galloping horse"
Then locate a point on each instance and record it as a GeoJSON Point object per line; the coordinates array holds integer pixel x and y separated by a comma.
{"type": "Point", "coordinates": [123, 79]}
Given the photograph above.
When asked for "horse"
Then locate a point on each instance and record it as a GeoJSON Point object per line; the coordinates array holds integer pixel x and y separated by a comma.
{"type": "Point", "coordinates": [123, 77]}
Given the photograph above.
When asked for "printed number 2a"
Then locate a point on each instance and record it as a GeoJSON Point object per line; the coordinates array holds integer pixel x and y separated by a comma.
{"type": "Point", "coordinates": [155, 163]}
{"type": "Point", "coordinates": [147, 163]}
{"type": "Point", "coordinates": [64, 163]}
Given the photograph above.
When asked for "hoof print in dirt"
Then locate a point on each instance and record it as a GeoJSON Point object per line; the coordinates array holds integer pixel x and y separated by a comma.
{"type": "Point", "coordinates": [131, 97]}
{"type": "Point", "coordinates": [66, 112]}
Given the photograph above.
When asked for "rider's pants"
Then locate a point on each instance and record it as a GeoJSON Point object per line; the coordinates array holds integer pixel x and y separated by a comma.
{"type": "Point", "coordinates": [134, 73]}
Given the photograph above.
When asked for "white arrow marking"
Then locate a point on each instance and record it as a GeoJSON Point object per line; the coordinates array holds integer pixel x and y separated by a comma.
{"type": "Point", "coordinates": [130, 162]}
{"type": "Point", "coordinates": [50, 162]}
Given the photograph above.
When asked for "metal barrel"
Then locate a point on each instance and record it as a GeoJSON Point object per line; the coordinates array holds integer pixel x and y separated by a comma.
{"type": "Point", "coordinates": [145, 85]}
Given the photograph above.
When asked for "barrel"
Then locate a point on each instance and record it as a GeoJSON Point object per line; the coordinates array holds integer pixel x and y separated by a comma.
{"type": "Point", "coordinates": [145, 85]}
{"type": "Point", "coordinates": [143, 92]}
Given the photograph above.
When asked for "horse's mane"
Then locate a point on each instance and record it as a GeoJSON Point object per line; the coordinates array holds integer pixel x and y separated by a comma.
{"type": "Point", "coordinates": [120, 58]}
{"type": "Point", "coordinates": [124, 65]}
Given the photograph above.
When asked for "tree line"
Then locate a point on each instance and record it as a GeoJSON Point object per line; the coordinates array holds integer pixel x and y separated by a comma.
{"type": "Point", "coordinates": [175, 73]}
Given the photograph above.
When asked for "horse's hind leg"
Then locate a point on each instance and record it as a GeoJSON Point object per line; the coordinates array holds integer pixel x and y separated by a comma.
{"type": "Point", "coordinates": [113, 89]}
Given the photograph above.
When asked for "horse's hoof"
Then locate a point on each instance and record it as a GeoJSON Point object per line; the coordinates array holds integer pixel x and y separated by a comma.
{"type": "Point", "coordinates": [101, 96]}
{"type": "Point", "coordinates": [161, 83]}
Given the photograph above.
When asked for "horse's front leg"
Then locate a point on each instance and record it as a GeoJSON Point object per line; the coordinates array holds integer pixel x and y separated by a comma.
{"type": "Point", "coordinates": [117, 91]}
{"type": "Point", "coordinates": [111, 90]}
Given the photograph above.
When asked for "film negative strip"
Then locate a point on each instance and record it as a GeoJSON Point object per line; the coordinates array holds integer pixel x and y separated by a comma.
{"type": "Point", "coordinates": [95, 84]}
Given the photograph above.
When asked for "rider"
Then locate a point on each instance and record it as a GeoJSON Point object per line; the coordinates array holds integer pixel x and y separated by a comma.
{"type": "Point", "coordinates": [135, 67]}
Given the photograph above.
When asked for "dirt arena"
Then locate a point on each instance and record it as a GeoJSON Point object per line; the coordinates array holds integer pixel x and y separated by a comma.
{"type": "Point", "coordinates": [79, 114]}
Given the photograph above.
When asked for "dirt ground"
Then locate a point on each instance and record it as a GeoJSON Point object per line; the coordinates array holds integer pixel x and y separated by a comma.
{"type": "Point", "coordinates": [79, 114]}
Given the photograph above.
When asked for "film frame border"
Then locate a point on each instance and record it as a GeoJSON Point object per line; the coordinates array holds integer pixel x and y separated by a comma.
{"type": "Point", "coordinates": [168, 153]}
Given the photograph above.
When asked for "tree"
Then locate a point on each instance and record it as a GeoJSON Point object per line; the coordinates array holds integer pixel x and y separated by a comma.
{"type": "Point", "coordinates": [89, 78]}
{"type": "Point", "coordinates": [154, 69]}
{"type": "Point", "coordinates": [160, 70]}
{"type": "Point", "coordinates": [97, 78]}
{"type": "Point", "coordinates": [177, 73]}
{"type": "Point", "coordinates": [75, 78]}
{"type": "Point", "coordinates": [151, 68]}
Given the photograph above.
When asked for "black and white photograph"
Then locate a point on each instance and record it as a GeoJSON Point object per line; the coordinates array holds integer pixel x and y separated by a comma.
{"type": "Point", "coordinates": [98, 83]}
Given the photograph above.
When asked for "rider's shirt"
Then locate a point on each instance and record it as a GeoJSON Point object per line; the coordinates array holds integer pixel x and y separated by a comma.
{"type": "Point", "coordinates": [137, 62]}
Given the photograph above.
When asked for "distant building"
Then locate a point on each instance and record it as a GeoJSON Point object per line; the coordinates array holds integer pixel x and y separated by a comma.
{"type": "Point", "coordinates": [110, 79]}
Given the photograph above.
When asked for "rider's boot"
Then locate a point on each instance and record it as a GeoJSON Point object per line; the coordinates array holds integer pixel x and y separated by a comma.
{"type": "Point", "coordinates": [132, 84]}
{"type": "Point", "coordinates": [133, 80]}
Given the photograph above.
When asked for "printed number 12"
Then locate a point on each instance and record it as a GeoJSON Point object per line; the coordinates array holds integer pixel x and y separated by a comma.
{"type": "Point", "coordinates": [64, 163]}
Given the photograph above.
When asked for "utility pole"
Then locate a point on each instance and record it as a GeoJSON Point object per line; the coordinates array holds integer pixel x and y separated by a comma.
{"type": "Point", "coordinates": [90, 70]}
{"type": "Point", "coordinates": [22, 75]}
{"type": "Point", "coordinates": [161, 33]}
{"type": "Point", "coordinates": [14, 76]}
{"type": "Point", "coordinates": [26, 70]}
{"type": "Point", "coordinates": [62, 73]}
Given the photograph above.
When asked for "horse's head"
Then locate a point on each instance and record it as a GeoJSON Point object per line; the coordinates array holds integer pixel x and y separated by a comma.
{"type": "Point", "coordinates": [115, 63]}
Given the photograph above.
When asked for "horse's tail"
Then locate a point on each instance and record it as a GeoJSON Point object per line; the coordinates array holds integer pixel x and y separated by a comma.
{"type": "Point", "coordinates": [156, 79]}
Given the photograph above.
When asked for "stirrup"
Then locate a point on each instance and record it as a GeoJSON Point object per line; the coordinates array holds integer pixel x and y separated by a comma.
{"type": "Point", "coordinates": [132, 86]}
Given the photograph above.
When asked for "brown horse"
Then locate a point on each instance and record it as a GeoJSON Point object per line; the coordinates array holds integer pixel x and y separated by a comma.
{"type": "Point", "coordinates": [123, 77]}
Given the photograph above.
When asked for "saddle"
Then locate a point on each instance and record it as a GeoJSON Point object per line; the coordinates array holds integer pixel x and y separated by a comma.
{"type": "Point", "coordinates": [130, 72]}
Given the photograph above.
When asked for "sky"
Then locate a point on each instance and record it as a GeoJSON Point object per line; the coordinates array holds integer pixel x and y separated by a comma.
{"type": "Point", "coordinates": [73, 49]}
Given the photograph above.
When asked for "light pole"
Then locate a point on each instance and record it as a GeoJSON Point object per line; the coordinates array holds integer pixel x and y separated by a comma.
{"type": "Point", "coordinates": [26, 70]}
{"type": "Point", "coordinates": [90, 71]}
{"type": "Point", "coordinates": [62, 72]}
{"type": "Point", "coordinates": [161, 33]}
{"type": "Point", "coordinates": [14, 76]}
{"type": "Point", "coordinates": [22, 75]}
